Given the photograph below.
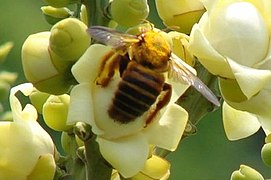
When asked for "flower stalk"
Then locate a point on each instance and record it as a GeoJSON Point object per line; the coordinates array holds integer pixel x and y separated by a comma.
{"type": "Point", "coordinates": [97, 166]}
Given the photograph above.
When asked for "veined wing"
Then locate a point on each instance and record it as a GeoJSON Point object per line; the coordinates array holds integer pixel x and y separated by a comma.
{"type": "Point", "coordinates": [111, 37]}
{"type": "Point", "coordinates": [180, 72]}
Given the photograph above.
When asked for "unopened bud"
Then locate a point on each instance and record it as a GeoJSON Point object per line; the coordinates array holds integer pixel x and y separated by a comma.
{"type": "Point", "coordinates": [129, 12]}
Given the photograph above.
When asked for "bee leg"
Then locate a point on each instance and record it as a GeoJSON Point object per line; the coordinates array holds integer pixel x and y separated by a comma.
{"type": "Point", "coordinates": [163, 100]}
{"type": "Point", "coordinates": [109, 64]}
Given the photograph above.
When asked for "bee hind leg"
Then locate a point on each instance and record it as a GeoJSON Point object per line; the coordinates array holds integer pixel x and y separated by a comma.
{"type": "Point", "coordinates": [162, 101]}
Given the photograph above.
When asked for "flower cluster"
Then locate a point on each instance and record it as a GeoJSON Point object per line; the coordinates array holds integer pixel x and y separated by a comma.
{"type": "Point", "coordinates": [232, 40]}
{"type": "Point", "coordinates": [116, 104]}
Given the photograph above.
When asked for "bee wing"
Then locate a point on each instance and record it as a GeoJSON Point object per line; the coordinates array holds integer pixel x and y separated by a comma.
{"type": "Point", "coordinates": [179, 71]}
{"type": "Point", "coordinates": [111, 37]}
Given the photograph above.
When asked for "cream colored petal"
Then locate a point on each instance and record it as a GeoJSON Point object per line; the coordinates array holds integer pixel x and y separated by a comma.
{"type": "Point", "coordinates": [239, 124]}
{"type": "Point", "coordinates": [266, 123]}
{"type": "Point", "coordinates": [81, 106]}
{"type": "Point", "coordinates": [238, 31]}
{"type": "Point", "coordinates": [87, 67]}
{"type": "Point", "coordinates": [207, 55]}
{"type": "Point", "coordinates": [29, 113]}
{"type": "Point", "coordinates": [260, 105]}
{"type": "Point", "coordinates": [167, 132]}
{"type": "Point", "coordinates": [44, 169]}
{"type": "Point", "coordinates": [250, 80]}
{"type": "Point", "coordinates": [127, 155]}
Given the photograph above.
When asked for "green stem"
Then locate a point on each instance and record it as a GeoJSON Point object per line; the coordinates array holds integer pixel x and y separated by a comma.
{"type": "Point", "coordinates": [97, 166]}
{"type": "Point", "coordinates": [193, 102]}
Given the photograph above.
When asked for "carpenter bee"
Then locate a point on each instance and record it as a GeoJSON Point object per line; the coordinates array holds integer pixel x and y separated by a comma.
{"type": "Point", "coordinates": [142, 60]}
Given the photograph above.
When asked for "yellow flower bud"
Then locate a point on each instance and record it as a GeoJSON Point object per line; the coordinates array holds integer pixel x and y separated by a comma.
{"type": "Point", "coordinates": [246, 173]}
{"type": "Point", "coordinates": [180, 47]}
{"type": "Point", "coordinates": [4, 50]}
{"type": "Point", "coordinates": [268, 138]}
{"type": "Point", "coordinates": [66, 141]}
{"type": "Point", "coordinates": [37, 99]}
{"type": "Point", "coordinates": [182, 14]}
{"type": "Point", "coordinates": [47, 71]}
{"type": "Point", "coordinates": [60, 3]}
{"type": "Point", "coordinates": [55, 111]}
{"type": "Point", "coordinates": [54, 15]}
{"type": "Point", "coordinates": [84, 15]}
{"type": "Point", "coordinates": [69, 39]}
{"type": "Point", "coordinates": [266, 154]}
{"type": "Point", "coordinates": [155, 168]}
{"type": "Point", "coordinates": [129, 12]}
{"type": "Point", "coordinates": [8, 77]}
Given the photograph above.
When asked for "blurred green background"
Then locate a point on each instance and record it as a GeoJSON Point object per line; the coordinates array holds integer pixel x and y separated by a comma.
{"type": "Point", "coordinates": [208, 155]}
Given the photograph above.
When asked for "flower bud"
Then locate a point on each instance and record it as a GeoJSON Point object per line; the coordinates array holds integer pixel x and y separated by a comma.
{"type": "Point", "coordinates": [155, 168]}
{"type": "Point", "coordinates": [268, 138]}
{"type": "Point", "coordinates": [181, 13]}
{"type": "Point", "coordinates": [69, 39]}
{"type": "Point", "coordinates": [66, 141]}
{"type": "Point", "coordinates": [55, 111]}
{"type": "Point", "coordinates": [47, 71]}
{"type": "Point", "coordinates": [84, 15]}
{"type": "Point", "coordinates": [60, 3]}
{"type": "Point", "coordinates": [129, 12]}
{"type": "Point", "coordinates": [8, 77]}
{"type": "Point", "coordinates": [4, 50]}
{"type": "Point", "coordinates": [54, 15]}
{"type": "Point", "coordinates": [37, 99]}
{"type": "Point", "coordinates": [266, 154]}
{"type": "Point", "coordinates": [180, 47]}
{"type": "Point", "coordinates": [246, 173]}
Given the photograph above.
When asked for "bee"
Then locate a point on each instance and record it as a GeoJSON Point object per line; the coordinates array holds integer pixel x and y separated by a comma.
{"type": "Point", "coordinates": [142, 60]}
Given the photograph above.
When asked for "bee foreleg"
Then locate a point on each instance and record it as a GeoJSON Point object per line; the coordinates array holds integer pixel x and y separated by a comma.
{"type": "Point", "coordinates": [162, 101]}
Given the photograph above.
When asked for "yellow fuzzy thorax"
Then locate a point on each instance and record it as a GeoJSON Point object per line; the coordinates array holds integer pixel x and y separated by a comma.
{"type": "Point", "coordinates": [152, 51]}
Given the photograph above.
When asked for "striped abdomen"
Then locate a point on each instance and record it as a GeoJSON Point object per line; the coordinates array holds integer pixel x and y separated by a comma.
{"type": "Point", "coordinates": [137, 91]}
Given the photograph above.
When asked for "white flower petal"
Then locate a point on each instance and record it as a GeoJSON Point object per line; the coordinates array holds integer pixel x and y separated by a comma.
{"type": "Point", "coordinates": [208, 56]}
{"type": "Point", "coordinates": [86, 69]}
{"type": "Point", "coordinates": [16, 107]}
{"type": "Point", "coordinates": [259, 105]}
{"type": "Point", "coordinates": [127, 155]}
{"type": "Point", "coordinates": [239, 124]}
{"type": "Point", "coordinates": [81, 106]}
{"type": "Point", "coordinates": [167, 132]}
{"type": "Point", "coordinates": [250, 80]}
{"type": "Point", "coordinates": [238, 31]}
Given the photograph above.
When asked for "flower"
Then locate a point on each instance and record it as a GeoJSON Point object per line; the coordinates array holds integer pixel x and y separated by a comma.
{"type": "Point", "coordinates": [182, 14]}
{"type": "Point", "coordinates": [124, 146]}
{"type": "Point", "coordinates": [47, 57]}
{"type": "Point", "coordinates": [232, 41]}
{"type": "Point", "coordinates": [28, 151]}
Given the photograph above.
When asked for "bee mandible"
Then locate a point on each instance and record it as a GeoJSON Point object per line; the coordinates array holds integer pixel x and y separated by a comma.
{"type": "Point", "coordinates": [142, 60]}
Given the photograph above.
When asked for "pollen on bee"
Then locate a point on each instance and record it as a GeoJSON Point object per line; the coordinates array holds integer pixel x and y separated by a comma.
{"type": "Point", "coordinates": [152, 51]}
